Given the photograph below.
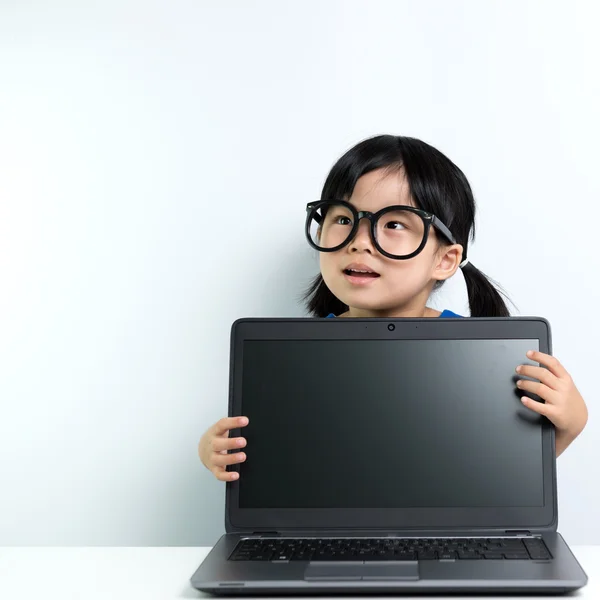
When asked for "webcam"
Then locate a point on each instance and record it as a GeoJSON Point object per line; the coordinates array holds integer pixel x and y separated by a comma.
{"type": "Point", "coordinates": [391, 327]}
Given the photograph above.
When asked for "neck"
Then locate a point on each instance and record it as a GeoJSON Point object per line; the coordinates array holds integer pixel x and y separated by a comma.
{"type": "Point", "coordinates": [400, 312]}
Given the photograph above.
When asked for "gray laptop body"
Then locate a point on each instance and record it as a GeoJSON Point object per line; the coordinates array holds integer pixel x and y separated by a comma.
{"type": "Point", "coordinates": [389, 455]}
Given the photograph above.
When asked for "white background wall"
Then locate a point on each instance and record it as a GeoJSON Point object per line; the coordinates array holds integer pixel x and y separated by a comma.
{"type": "Point", "coordinates": [140, 143]}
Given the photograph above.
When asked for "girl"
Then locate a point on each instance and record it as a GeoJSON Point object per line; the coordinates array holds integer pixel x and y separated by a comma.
{"type": "Point", "coordinates": [393, 223]}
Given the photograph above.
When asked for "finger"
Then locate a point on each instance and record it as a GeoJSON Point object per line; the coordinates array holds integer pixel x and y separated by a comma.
{"type": "Point", "coordinates": [223, 475]}
{"type": "Point", "coordinates": [539, 407]}
{"type": "Point", "coordinates": [222, 444]}
{"type": "Point", "coordinates": [223, 460]}
{"type": "Point", "coordinates": [545, 376]}
{"type": "Point", "coordinates": [549, 361]}
{"type": "Point", "coordinates": [223, 425]}
{"type": "Point", "coordinates": [540, 389]}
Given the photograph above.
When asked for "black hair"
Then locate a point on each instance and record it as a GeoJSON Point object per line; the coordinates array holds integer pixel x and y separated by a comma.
{"type": "Point", "coordinates": [436, 185]}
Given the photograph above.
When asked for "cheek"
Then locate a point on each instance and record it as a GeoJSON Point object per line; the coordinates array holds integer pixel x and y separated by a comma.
{"type": "Point", "coordinates": [330, 271]}
{"type": "Point", "coordinates": [407, 274]}
{"type": "Point", "coordinates": [327, 262]}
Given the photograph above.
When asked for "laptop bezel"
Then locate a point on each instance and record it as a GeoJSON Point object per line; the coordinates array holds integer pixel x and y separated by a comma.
{"type": "Point", "coordinates": [242, 520]}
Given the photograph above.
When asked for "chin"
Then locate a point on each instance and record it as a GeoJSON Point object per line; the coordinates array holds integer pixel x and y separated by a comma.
{"type": "Point", "coordinates": [359, 299]}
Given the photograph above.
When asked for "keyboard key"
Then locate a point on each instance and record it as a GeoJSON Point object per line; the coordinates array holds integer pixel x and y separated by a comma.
{"type": "Point", "coordinates": [537, 549]}
{"type": "Point", "coordinates": [405, 555]}
{"type": "Point", "coordinates": [379, 556]}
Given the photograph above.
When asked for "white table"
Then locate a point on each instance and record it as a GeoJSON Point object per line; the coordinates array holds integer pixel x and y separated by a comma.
{"type": "Point", "coordinates": [50, 573]}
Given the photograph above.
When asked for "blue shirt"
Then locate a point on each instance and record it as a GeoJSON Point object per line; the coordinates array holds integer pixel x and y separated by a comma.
{"type": "Point", "coordinates": [446, 314]}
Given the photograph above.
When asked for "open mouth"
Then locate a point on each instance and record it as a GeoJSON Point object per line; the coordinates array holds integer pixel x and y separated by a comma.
{"type": "Point", "coordinates": [361, 273]}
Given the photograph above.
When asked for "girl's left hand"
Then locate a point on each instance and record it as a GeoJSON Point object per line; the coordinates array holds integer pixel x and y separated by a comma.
{"type": "Point", "coordinates": [564, 405]}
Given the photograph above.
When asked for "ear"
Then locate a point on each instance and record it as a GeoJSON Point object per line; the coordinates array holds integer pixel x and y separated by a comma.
{"type": "Point", "coordinates": [447, 262]}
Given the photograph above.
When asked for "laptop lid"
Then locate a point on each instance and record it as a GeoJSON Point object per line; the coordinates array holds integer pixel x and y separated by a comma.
{"type": "Point", "coordinates": [391, 424]}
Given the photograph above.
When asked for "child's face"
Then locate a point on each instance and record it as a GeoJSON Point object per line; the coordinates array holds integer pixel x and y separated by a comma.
{"type": "Point", "coordinates": [402, 284]}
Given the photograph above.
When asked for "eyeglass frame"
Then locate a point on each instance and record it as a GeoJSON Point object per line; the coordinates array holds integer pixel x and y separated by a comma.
{"type": "Point", "coordinates": [428, 218]}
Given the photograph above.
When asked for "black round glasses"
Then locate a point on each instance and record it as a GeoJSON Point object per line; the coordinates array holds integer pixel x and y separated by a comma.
{"type": "Point", "coordinates": [399, 232]}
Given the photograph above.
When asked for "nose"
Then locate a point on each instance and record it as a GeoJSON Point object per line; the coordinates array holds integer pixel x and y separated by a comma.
{"type": "Point", "coordinates": [362, 241]}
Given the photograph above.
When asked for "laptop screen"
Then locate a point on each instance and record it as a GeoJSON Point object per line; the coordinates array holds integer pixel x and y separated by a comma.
{"type": "Point", "coordinates": [388, 423]}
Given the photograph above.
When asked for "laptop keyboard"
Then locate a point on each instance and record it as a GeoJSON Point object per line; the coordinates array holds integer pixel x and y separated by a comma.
{"type": "Point", "coordinates": [359, 549]}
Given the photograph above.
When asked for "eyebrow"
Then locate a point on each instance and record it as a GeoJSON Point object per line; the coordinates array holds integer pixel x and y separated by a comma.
{"type": "Point", "coordinates": [412, 205]}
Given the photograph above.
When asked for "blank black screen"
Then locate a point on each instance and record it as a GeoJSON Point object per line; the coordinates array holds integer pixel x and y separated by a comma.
{"type": "Point", "coordinates": [388, 424]}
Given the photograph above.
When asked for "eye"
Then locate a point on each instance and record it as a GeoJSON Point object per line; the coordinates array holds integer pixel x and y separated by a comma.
{"type": "Point", "coordinates": [395, 225]}
{"type": "Point", "coordinates": [342, 220]}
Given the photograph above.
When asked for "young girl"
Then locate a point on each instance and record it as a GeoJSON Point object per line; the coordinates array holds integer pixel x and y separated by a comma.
{"type": "Point", "coordinates": [393, 223]}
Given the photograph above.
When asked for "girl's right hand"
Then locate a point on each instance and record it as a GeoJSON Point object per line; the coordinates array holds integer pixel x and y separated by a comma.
{"type": "Point", "coordinates": [215, 443]}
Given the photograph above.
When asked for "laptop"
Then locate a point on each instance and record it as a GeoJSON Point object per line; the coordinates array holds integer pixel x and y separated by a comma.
{"type": "Point", "coordinates": [389, 455]}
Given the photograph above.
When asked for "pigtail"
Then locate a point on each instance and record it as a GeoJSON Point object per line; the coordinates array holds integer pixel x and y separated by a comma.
{"type": "Point", "coordinates": [485, 300]}
{"type": "Point", "coordinates": [320, 300]}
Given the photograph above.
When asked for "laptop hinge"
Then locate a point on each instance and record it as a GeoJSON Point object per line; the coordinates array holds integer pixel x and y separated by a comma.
{"type": "Point", "coordinates": [517, 532]}
{"type": "Point", "coordinates": [266, 533]}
